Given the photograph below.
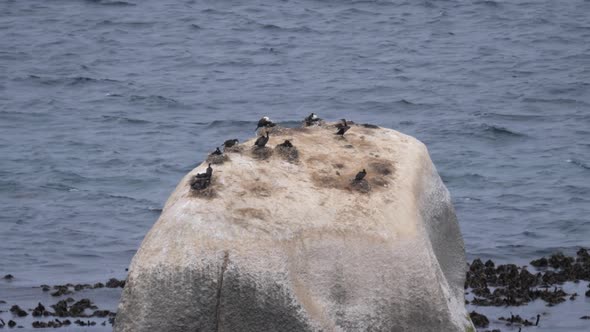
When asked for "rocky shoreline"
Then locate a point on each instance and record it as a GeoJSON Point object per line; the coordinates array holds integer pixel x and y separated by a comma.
{"type": "Point", "coordinates": [509, 285]}
{"type": "Point", "coordinates": [487, 285]}
{"type": "Point", "coordinates": [66, 311]}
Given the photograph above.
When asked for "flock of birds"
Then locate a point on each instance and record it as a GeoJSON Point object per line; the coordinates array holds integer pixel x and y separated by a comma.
{"type": "Point", "coordinates": [203, 180]}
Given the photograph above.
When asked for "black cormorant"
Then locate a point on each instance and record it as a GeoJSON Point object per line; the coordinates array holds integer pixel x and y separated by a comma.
{"type": "Point", "coordinates": [360, 175]}
{"type": "Point", "coordinates": [343, 128]}
{"type": "Point", "coordinates": [230, 142]}
{"type": "Point", "coordinates": [217, 152]}
{"type": "Point", "coordinates": [262, 140]}
{"type": "Point", "coordinates": [264, 122]}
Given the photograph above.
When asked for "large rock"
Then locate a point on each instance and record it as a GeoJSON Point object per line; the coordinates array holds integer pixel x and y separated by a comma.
{"type": "Point", "coordinates": [286, 241]}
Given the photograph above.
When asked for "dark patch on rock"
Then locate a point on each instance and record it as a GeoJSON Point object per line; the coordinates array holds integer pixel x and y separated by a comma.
{"type": "Point", "coordinates": [261, 153]}
{"type": "Point", "coordinates": [217, 159]}
{"type": "Point", "coordinates": [382, 168]}
{"type": "Point", "coordinates": [200, 183]}
{"type": "Point", "coordinates": [588, 293]}
{"type": "Point", "coordinates": [208, 193]}
{"type": "Point", "coordinates": [349, 146]}
{"type": "Point", "coordinates": [370, 126]}
{"type": "Point", "coordinates": [288, 151]}
{"type": "Point", "coordinates": [16, 310]}
{"type": "Point", "coordinates": [479, 320]}
{"type": "Point", "coordinates": [233, 149]}
{"type": "Point", "coordinates": [362, 186]}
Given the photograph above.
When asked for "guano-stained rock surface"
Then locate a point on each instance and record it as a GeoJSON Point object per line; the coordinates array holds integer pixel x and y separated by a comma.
{"type": "Point", "coordinates": [278, 243]}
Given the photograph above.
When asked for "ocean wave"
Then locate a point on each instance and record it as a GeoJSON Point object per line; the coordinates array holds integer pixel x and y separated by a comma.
{"type": "Point", "coordinates": [488, 3]}
{"type": "Point", "coordinates": [112, 3]}
{"type": "Point", "coordinates": [120, 119]}
{"type": "Point", "coordinates": [578, 163]}
{"type": "Point", "coordinates": [127, 24]}
{"type": "Point", "coordinates": [560, 101]}
{"type": "Point", "coordinates": [71, 81]}
{"type": "Point", "coordinates": [229, 123]}
{"type": "Point", "coordinates": [59, 187]}
{"type": "Point", "coordinates": [154, 99]}
{"type": "Point", "coordinates": [497, 131]}
{"type": "Point", "coordinates": [301, 29]}
{"type": "Point", "coordinates": [513, 117]}
{"type": "Point", "coordinates": [356, 11]}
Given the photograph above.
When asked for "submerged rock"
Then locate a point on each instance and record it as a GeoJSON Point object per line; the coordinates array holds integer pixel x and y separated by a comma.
{"type": "Point", "coordinates": [288, 246]}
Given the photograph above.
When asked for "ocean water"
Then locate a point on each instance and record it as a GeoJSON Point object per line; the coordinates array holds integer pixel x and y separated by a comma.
{"type": "Point", "coordinates": [106, 104]}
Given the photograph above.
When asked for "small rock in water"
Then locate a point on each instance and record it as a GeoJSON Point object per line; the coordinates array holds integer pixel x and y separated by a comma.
{"type": "Point", "coordinates": [61, 308]}
{"type": "Point", "coordinates": [61, 290]}
{"type": "Point", "coordinates": [114, 283]}
{"type": "Point", "coordinates": [39, 310]}
{"type": "Point", "coordinates": [8, 277]}
{"type": "Point", "coordinates": [585, 317]}
{"type": "Point", "coordinates": [479, 320]}
{"type": "Point", "coordinates": [77, 309]}
{"type": "Point", "coordinates": [11, 323]}
{"type": "Point", "coordinates": [101, 313]}
{"type": "Point", "coordinates": [18, 311]}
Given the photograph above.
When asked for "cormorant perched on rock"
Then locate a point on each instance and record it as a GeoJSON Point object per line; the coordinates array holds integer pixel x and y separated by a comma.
{"type": "Point", "coordinates": [264, 122]}
{"type": "Point", "coordinates": [343, 128]}
{"type": "Point", "coordinates": [340, 125]}
{"type": "Point", "coordinates": [286, 144]}
{"type": "Point", "coordinates": [360, 175]}
{"type": "Point", "coordinates": [217, 152]}
{"type": "Point", "coordinates": [262, 140]}
{"type": "Point", "coordinates": [312, 119]}
{"type": "Point", "coordinates": [202, 180]}
{"type": "Point", "coordinates": [208, 173]}
{"type": "Point", "coordinates": [230, 142]}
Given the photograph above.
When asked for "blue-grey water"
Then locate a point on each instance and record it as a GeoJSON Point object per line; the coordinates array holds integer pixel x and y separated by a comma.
{"type": "Point", "coordinates": [106, 104]}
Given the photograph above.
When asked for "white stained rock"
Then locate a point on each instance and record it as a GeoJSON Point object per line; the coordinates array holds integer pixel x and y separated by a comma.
{"type": "Point", "coordinates": [284, 240]}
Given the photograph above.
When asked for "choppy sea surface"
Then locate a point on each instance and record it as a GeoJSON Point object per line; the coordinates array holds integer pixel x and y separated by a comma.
{"type": "Point", "coordinates": [105, 105]}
